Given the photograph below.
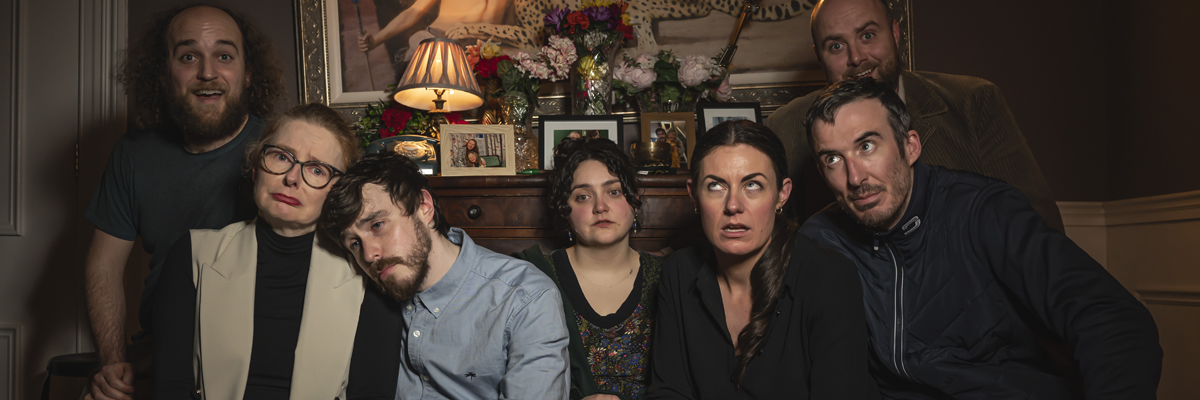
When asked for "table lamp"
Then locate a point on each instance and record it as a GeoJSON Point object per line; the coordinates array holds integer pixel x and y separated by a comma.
{"type": "Point", "coordinates": [437, 79]}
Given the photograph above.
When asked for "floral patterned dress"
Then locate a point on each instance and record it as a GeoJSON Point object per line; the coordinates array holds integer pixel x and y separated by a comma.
{"type": "Point", "coordinates": [617, 346]}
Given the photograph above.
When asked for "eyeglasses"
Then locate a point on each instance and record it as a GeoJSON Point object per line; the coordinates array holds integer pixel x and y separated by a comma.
{"type": "Point", "coordinates": [315, 173]}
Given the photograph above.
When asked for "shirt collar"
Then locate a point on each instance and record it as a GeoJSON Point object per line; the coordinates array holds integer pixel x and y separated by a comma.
{"type": "Point", "coordinates": [915, 213]}
{"type": "Point", "coordinates": [900, 89]}
{"type": "Point", "coordinates": [441, 294]}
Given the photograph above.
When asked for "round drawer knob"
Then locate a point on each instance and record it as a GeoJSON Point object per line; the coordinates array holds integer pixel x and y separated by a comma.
{"type": "Point", "coordinates": [474, 212]}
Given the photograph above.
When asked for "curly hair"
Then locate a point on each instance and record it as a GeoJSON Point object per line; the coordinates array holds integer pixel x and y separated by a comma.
{"type": "Point", "coordinates": [766, 277]}
{"type": "Point", "coordinates": [571, 153]}
{"type": "Point", "coordinates": [144, 71]}
{"type": "Point", "coordinates": [399, 175]}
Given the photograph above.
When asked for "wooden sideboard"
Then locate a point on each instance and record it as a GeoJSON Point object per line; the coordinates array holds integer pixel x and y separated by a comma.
{"type": "Point", "coordinates": [509, 213]}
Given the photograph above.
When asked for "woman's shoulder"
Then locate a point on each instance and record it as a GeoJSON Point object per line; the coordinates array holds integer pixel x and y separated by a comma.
{"type": "Point", "coordinates": [684, 265]}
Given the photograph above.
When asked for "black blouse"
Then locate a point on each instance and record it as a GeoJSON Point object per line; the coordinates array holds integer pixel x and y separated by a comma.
{"type": "Point", "coordinates": [815, 348]}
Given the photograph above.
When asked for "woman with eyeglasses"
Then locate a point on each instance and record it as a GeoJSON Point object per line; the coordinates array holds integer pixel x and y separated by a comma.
{"type": "Point", "coordinates": [260, 309]}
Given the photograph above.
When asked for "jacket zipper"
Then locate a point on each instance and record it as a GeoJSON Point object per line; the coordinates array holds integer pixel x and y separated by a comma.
{"type": "Point", "coordinates": [898, 318]}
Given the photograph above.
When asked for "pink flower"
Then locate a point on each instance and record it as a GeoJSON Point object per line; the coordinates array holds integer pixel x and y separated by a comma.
{"type": "Point", "coordinates": [724, 91]}
{"type": "Point", "coordinates": [646, 60]}
{"type": "Point", "coordinates": [640, 78]}
{"type": "Point", "coordinates": [695, 70]}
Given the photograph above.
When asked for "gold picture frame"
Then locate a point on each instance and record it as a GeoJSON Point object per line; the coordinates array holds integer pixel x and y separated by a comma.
{"type": "Point", "coordinates": [682, 124]}
{"type": "Point", "coordinates": [772, 89]}
{"type": "Point", "coordinates": [493, 149]}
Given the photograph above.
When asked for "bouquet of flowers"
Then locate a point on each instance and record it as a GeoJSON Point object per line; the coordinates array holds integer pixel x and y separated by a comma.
{"type": "Point", "coordinates": [598, 28]}
{"type": "Point", "coordinates": [664, 82]}
{"type": "Point", "coordinates": [597, 23]}
{"type": "Point", "coordinates": [522, 74]}
{"type": "Point", "coordinates": [389, 118]}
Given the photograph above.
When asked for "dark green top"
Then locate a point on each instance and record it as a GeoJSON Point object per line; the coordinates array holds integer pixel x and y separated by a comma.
{"type": "Point", "coordinates": [610, 353]}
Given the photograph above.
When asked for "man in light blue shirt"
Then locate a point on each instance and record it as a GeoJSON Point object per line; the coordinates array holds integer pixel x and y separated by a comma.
{"type": "Point", "coordinates": [477, 324]}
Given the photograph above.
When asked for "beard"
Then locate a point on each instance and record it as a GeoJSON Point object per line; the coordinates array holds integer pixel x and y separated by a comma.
{"type": "Point", "coordinates": [900, 179]}
{"type": "Point", "coordinates": [203, 125]}
{"type": "Point", "coordinates": [417, 261]}
{"type": "Point", "coordinates": [888, 68]}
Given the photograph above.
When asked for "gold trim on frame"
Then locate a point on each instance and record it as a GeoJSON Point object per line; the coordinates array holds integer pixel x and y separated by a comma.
{"type": "Point", "coordinates": [314, 85]}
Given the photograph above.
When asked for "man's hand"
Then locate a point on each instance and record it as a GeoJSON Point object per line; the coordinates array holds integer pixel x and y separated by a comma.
{"type": "Point", "coordinates": [366, 42]}
{"type": "Point", "coordinates": [114, 381]}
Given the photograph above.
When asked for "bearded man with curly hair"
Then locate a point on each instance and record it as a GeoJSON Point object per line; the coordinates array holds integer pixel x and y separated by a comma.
{"type": "Point", "coordinates": [201, 79]}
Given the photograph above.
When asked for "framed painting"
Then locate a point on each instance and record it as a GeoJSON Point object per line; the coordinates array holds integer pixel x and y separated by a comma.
{"type": "Point", "coordinates": [556, 128]}
{"type": "Point", "coordinates": [473, 149]}
{"type": "Point", "coordinates": [677, 129]}
{"type": "Point", "coordinates": [774, 62]}
{"type": "Point", "coordinates": [709, 115]}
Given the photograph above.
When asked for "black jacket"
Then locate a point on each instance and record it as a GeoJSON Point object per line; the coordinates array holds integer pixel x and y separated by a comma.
{"type": "Point", "coordinates": [964, 294]}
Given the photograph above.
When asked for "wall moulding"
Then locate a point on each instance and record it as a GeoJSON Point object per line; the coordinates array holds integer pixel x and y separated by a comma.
{"type": "Point", "coordinates": [10, 126]}
{"type": "Point", "coordinates": [1174, 296]}
{"type": "Point", "coordinates": [10, 344]}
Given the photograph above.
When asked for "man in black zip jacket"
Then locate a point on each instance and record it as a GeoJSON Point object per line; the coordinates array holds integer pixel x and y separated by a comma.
{"type": "Point", "coordinates": [969, 294]}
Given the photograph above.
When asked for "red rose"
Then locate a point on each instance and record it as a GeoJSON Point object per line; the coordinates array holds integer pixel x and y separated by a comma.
{"type": "Point", "coordinates": [626, 29]}
{"type": "Point", "coordinates": [455, 118]}
{"type": "Point", "coordinates": [395, 118]}
{"type": "Point", "coordinates": [486, 68]}
{"type": "Point", "coordinates": [577, 18]}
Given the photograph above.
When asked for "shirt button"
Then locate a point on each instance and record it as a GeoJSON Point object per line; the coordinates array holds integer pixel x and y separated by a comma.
{"type": "Point", "coordinates": [409, 307]}
{"type": "Point", "coordinates": [426, 378]}
{"type": "Point", "coordinates": [416, 333]}
{"type": "Point", "coordinates": [437, 310]}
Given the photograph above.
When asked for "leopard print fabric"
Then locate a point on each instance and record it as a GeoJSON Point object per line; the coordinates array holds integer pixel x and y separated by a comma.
{"type": "Point", "coordinates": [527, 35]}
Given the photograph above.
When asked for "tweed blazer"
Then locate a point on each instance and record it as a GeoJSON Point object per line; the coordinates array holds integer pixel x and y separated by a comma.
{"type": "Point", "coordinates": [223, 269]}
{"type": "Point", "coordinates": [964, 124]}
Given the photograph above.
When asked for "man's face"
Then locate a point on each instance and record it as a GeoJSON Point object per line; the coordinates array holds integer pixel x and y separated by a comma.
{"type": "Point", "coordinates": [863, 165]}
{"type": "Point", "coordinates": [392, 248]}
{"type": "Point", "coordinates": [207, 72]}
{"type": "Point", "coordinates": [853, 39]}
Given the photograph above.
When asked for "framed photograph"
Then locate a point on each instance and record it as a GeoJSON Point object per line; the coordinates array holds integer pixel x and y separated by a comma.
{"type": "Point", "coordinates": [709, 115]}
{"type": "Point", "coordinates": [472, 149]}
{"type": "Point", "coordinates": [677, 128]}
{"type": "Point", "coordinates": [555, 128]}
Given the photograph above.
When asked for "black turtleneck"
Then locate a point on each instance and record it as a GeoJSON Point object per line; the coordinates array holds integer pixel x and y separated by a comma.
{"type": "Point", "coordinates": [278, 307]}
{"type": "Point", "coordinates": [280, 280]}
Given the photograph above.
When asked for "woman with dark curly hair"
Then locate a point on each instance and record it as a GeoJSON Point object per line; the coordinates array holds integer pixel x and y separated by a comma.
{"type": "Point", "coordinates": [757, 312]}
{"type": "Point", "coordinates": [608, 288]}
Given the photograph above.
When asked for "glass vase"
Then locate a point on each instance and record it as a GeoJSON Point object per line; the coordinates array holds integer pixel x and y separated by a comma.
{"type": "Point", "coordinates": [591, 80]}
{"type": "Point", "coordinates": [653, 102]}
{"type": "Point", "coordinates": [515, 110]}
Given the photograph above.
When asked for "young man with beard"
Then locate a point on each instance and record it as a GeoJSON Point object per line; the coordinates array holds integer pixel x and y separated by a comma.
{"type": "Point", "coordinates": [969, 295]}
{"type": "Point", "coordinates": [964, 120]}
{"type": "Point", "coordinates": [200, 78]}
{"type": "Point", "coordinates": [477, 324]}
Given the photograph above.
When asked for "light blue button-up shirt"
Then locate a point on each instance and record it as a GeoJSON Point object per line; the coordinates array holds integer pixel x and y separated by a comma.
{"type": "Point", "coordinates": [491, 328]}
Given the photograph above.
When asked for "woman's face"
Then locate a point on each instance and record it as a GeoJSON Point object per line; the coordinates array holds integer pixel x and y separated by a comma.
{"type": "Point", "coordinates": [737, 198]}
{"type": "Point", "coordinates": [574, 135]}
{"type": "Point", "coordinates": [600, 214]}
{"type": "Point", "coordinates": [471, 144]}
{"type": "Point", "coordinates": [472, 157]}
{"type": "Point", "coordinates": [285, 201]}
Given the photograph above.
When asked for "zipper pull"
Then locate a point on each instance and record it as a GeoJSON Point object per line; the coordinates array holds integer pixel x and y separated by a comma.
{"type": "Point", "coordinates": [876, 243]}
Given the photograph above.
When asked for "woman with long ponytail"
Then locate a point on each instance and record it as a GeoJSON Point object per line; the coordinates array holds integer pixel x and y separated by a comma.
{"type": "Point", "coordinates": [757, 312]}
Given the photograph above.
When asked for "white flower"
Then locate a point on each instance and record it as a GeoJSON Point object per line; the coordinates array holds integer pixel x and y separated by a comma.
{"type": "Point", "coordinates": [695, 70]}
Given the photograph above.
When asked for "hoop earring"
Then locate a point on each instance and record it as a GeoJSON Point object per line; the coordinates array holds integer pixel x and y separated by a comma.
{"type": "Point", "coordinates": [779, 211]}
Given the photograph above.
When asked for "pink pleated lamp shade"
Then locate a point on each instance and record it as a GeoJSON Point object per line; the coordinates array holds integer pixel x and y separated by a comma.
{"type": "Point", "coordinates": [439, 64]}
